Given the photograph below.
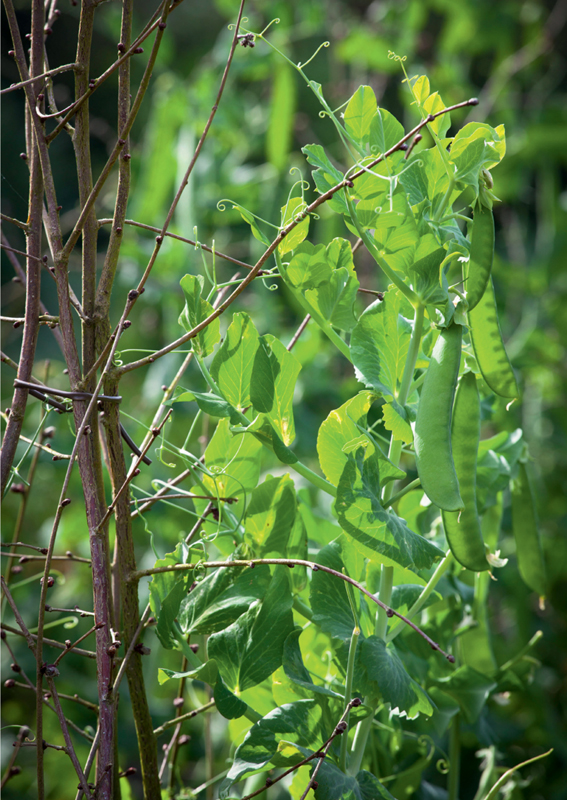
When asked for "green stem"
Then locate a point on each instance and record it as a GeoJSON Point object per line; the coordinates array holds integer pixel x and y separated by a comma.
{"type": "Point", "coordinates": [425, 592]}
{"type": "Point", "coordinates": [403, 394]}
{"type": "Point", "coordinates": [454, 760]}
{"type": "Point", "coordinates": [348, 692]}
{"type": "Point", "coordinates": [385, 596]}
{"type": "Point", "coordinates": [533, 641]}
{"type": "Point", "coordinates": [373, 250]}
{"type": "Point", "coordinates": [302, 608]}
{"type": "Point", "coordinates": [359, 743]}
{"type": "Point", "coordinates": [398, 496]}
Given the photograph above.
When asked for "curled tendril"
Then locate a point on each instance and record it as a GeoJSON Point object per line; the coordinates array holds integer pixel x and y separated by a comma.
{"type": "Point", "coordinates": [117, 360]}
{"type": "Point", "coordinates": [323, 114]}
{"type": "Point", "coordinates": [313, 215]}
{"type": "Point", "coordinates": [221, 204]}
{"type": "Point", "coordinates": [275, 21]}
{"type": "Point", "coordinates": [232, 25]}
{"type": "Point", "coordinates": [321, 46]}
{"type": "Point", "coordinates": [393, 57]}
{"type": "Point", "coordinates": [443, 766]}
{"type": "Point", "coordinates": [425, 742]}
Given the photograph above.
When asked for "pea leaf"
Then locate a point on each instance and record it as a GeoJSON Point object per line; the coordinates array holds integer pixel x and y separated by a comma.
{"type": "Point", "coordinates": [242, 366]}
{"type": "Point", "coordinates": [385, 131]}
{"type": "Point", "coordinates": [293, 722]}
{"type": "Point", "coordinates": [333, 784]}
{"type": "Point", "coordinates": [326, 176]}
{"type": "Point", "coordinates": [220, 598]}
{"type": "Point", "coordinates": [284, 368]}
{"type": "Point", "coordinates": [270, 517]}
{"type": "Point", "coordinates": [359, 113]}
{"type": "Point", "coordinates": [343, 431]}
{"type": "Point", "coordinates": [294, 206]}
{"type": "Point", "coordinates": [328, 280]}
{"type": "Point", "coordinates": [381, 535]}
{"type": "Point", "coordinates": [196, 310]}
{"type": "Point", "coordinates": [379, 345]}
{"type": "Point", "coordinates": [295, 668]}
{"type": "Point", "coordinates": [235, 462]}
{"type": "Point", "coordinates": [167, 590]}
{"type": "Point", "coordinates": [250, 649]}
{"type": "Point", "coordinates": [228, 704]}
{"type": "Point", "coordinates": [328, 596]}
{"type": "Point", "coordinates": [387, 674]}
{"type": "Point", "coordinates": [469, 689]}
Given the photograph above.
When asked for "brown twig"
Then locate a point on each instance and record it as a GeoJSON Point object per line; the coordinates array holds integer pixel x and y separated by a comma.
{"type": "Point", "coordinates": [291, 562]}
{"type": "Point", "coordinates": [50, 642]}
{"type": "Point", "coordinates": [50, 74]}
{"type": "Point", "coordinates": [133, 473]}
{"type": "Point", "coordinates": [9, 772]}
{"type": "Point", "coordinates": [190, 714]}
{"type": "Point", "coordinates": [298, 333]}
{"type": "Point", "coordinates": [69, 749]}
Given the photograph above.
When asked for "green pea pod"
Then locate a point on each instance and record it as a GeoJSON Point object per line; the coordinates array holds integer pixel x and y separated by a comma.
{"type": "Point", "coordinates": [526, 533]}
{"type": "Point", "coordinates": [463, 529]}
{"type": "Point", "coordinates": [478, 268]}
{"type": "Point", "coordinates": [432, 438]}
{"type": "Point", "coordinates": [488, 346]}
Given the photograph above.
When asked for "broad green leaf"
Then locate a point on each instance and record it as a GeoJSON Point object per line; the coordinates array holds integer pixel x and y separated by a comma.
{"type": "Point", "coordinates": [445, 710]}
{"type": "Point", "coordinates": [425, 277]}
{"type": "Point", "coordinates": [248, 217]}
{"type": "Point", "coordinates": [371, 788]}
{"type": "Point", "coordinates": [235, 462]}
{"type": "Point", "coordinates": [385, 131]}
{"type": "Point", "coordinates": [196, 310]}
{"type": "Point", "coordinates": [236, 362]}
{"type": "Point", "coordinates": [379, 345]}
{"type": "Point", "coordinates": [211, 404]}
{"type": "Point", "coordinates": [167, 590]}
{"type": "Point", "coordinates": [386, 672]}
{"type": "Point", "coordinates": [395, 420]}
{"type": "Point", "coordinates": [432, 105]}
{"type": "Point", "coordinates": [328, 279]}
{"type": "Point", "coordinates": [469, 688]}
{"type": "Point", "coordinates": [328, 596]}
{"type": "Point", "coordinates": [381, 535]}
{"type": "Point", "coordinates": [340, 430]}
{"type": "Point", "coordinates": [294, 206]}
{"type": "Point", "coordinates": [405, 595]}
{"type": "Point", "coordinates": [326, 176]}
{"type": "Point", "coordinates": [250, 649]}
{"type": "Point", "coordinates": [220, 598]}
{"type": "Point", "coordinates": [396, 234]}
{"type": "Point", "coordinates": [285, 369]}
{"type": "Point", "coordinates": [359, 112]}
{"type": "Point", "coordinates": [207, 672]}
{"type": "Point", "coordinates": [227, 703]}
{"type": "Point", "coordinates": [435, 173]}
{"type": "Point", "coordinates": [333, 784]}
{"type": "Point", "coordinates": [265, 432]}
{"type": "Point", "coordinates": [292, 722]}
{"type": "Point", "coordinates": [270, 517]}
{"type": "Point", "coordinates": [495, 138]}
{"type": "Point", "coordinates": [421, 89]}
{"type": "Point", "coordinates": [295, 668]}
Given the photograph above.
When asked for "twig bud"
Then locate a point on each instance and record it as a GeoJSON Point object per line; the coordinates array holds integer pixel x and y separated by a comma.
{"type": "Point", "coordinates": [184, 739]}
{"type": "Point", "coordinates": [65, 502]}
{"type": "Point", "coordinates": [15, 667]}
{"type": "Point", "coordinates": [9, 683]}
{"type": "Point", "coordinates": [178, 702]}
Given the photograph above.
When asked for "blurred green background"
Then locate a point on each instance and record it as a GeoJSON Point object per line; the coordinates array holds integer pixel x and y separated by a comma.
{"type": "Point", "coordinates": [512, 56]}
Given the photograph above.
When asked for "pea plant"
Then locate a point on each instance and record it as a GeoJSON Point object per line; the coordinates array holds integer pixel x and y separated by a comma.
{"type": "Point", "coordinates": [341, 605]}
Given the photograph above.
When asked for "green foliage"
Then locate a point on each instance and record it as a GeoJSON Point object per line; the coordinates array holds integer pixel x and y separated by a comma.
{"type": "Point", "coordinates": [259, 423]}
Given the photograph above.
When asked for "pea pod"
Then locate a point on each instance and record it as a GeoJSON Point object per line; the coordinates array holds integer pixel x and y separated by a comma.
{"type": "Point", "coordinates": [526, 533]}
{"type": "Point", "coordinates": [478, 268]}
{"type": "Point", "coordinates": [488, 346]}
{"type": "Point", "coordinates": [432, 438]}
{"type": "Point", "coordinates": [463, 530]}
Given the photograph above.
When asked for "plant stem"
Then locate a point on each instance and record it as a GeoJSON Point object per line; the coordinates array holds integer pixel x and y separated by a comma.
{"type": "Point", "coordinates": [454, 760]}
{"type": "Point", "coordinates": [385, 596]}
{"type": "Point", "coordinates": [425, 592]}
{"type": "Point", "coordinates": [359, 743]}
{"type": "Point", "coordinates": [398, 496]}
{"type": "Point", "coordinates": [348, 692]}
